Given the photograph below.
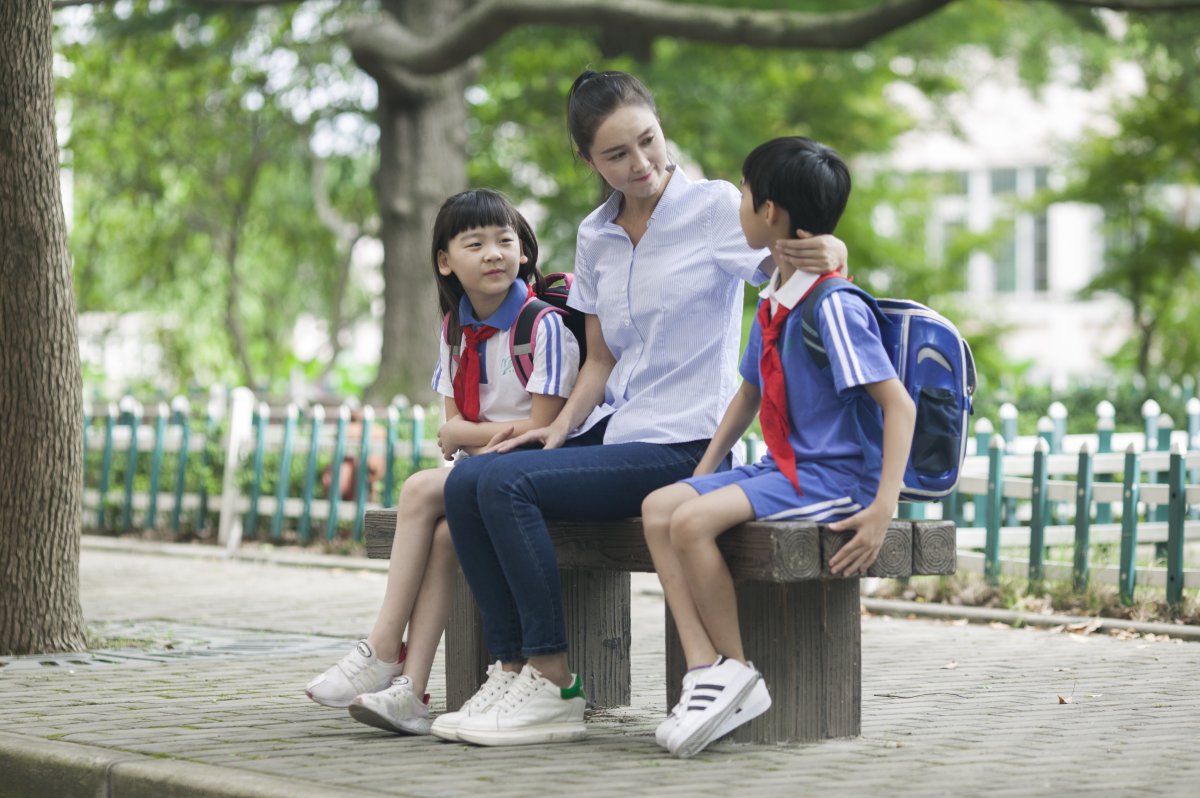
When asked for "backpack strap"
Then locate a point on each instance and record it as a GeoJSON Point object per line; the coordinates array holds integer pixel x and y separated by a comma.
{"type": "Point", "coordinates": [809, 324]}
{"type": "Point", "coordinates": [522, 339]}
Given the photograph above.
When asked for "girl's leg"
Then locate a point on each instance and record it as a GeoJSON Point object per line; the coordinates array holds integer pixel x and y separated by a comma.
{"type": "Point", "coordinates": [431, 609]}
{"type": "Point", "coordinates": [517, 491]}
{"type": "Point", "coordinates": [477, 556]}
{"type": "Point", "coordinates": [695, 526]}
{"type": "Point", "coordinates": [418, 511]}
{"type": "Point", "coordinates": [657, 510]}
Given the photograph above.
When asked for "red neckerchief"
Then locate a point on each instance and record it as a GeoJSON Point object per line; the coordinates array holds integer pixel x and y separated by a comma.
{"type": "Point", "coordinates": [773, 416]}
{"type": "Point", "coordinates": [466, 379]}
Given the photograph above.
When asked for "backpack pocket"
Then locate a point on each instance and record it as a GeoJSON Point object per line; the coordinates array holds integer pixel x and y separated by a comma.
{"type": "Point", "coordinates": [938, 432]}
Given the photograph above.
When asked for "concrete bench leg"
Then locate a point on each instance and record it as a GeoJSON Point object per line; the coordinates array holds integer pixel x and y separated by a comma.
{"type": "Point", "coordinates": [598, 633]}
{"type": "Point", "coordinates": [806, 639]}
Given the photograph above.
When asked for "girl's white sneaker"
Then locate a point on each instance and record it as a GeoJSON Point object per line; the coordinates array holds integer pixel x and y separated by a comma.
{"type": "Point", "coordinates": [396, 708]}
{"type": "Point", "coordinates": [358, 672]}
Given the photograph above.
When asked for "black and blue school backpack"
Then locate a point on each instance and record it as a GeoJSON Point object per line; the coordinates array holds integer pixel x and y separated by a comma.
{"type": "Point", "coordinates": [935, 364]}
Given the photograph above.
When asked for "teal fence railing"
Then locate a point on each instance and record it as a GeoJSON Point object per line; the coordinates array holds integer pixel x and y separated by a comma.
{"type": "Point", "coordinates": [1107, 507]}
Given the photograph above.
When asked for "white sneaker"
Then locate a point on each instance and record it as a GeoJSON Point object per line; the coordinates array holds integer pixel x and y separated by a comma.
{"type": "Point", "coordinates": [713, 699]}
{"type": "Point", "coordinates": [534, 710]}
{"type": "Point", "coordinates": [446, 725]}
{"type": "Point", "coordinates": [358, 672]}
{"type": "Point", "coordinates": [754, 704]}
{"type": "Point", "coordinates": [395, 709]}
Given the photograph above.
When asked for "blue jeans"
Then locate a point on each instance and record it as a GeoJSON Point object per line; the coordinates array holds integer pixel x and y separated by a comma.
{"type": "Point", "coordinates": [497, 504]}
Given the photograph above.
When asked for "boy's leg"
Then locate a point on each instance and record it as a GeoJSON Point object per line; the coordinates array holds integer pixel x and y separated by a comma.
{"type": "Point", "coordinates": [657, 510]}
{"type": "Point", "coordinates": [419, 509]}
{"type": "Point", "coordinates": [695, 526]}
{"type": "Point", "coordinates": [431, 608]}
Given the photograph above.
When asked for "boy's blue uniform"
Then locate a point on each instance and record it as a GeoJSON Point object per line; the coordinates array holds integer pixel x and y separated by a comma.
{"type": "Point", "coordinates": [837, 464]}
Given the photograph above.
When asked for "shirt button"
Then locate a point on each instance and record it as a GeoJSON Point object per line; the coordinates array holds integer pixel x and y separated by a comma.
{"type": "Point", "coordinates": [627, 322]}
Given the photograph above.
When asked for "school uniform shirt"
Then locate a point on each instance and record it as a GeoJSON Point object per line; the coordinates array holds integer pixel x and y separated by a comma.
{"type": "Point", "coordinates": [670, 310]}
{"type": "Point", "coordinates": [837, 464]}
{"type": "Point", "coordinates": [501, 397]}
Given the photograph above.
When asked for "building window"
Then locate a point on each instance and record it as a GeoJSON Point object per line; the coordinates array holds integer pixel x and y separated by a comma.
{"type": "Point", "coordinates": [1004, 182]}
{"type": "Point", "coordinates": [1006, 257]}
{"type": "Point", "coordinates": [1041, 253]}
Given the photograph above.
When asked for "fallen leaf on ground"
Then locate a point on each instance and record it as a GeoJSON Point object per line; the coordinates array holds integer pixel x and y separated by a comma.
{"type": "Point", "coordinates": [1066, 700]}
{"type": "Point", "coordinates": [949, 666]}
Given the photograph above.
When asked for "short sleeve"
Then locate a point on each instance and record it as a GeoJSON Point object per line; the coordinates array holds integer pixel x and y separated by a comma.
{"type": "Point", "coordinates": [727, 241]}
{"type": "Point", "coordinates": [443, 380]}
{"type": "Point", "coordinates": [850, 333]}
{"type": "Point", "coordinates": [749, 368]}
{"type": "Point", "coordinates": [583, 287]}
{"type": "Point", "coordinates": [555, 359]}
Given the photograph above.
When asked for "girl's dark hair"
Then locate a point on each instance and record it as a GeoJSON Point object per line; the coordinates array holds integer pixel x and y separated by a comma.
{"type": "Point", "coordinates": [478, 207]}
{"type": "Point", "coordinates": [595, 95]}
{"type": "Point", "coordinates": [804, 177]}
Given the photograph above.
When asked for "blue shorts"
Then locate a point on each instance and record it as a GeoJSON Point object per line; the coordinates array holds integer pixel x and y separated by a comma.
{"type": "Point", "coordinates": [773, 498]}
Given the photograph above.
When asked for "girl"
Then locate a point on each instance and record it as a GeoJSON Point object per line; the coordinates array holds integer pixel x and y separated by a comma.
{"type": "Point", "coordinates": [659, 273]}
{"type": "Point", "coordinates": [484, 260]}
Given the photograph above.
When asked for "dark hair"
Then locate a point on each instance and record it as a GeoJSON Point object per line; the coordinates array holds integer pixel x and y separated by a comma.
{"type": "Point", "coordinates": [804, 177]}
{"type": "Point", "coordinates": [595, 95]}
{"type": "Point", "coordinates": [478, 207]}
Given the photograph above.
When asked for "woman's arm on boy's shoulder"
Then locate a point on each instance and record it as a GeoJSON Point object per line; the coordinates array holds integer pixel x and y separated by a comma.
{"type": "Point", "coordinates": [899, 416]}
{"type": "Point", "coordinates": [585, 396]}
{"type": "Point", "coordinates": [809, 253]}
{"type": "Point", "coordinates": [737, 419]}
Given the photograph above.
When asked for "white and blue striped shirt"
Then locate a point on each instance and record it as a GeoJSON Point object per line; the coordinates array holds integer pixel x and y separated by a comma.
{"type": "Point", "coordinates": [670, 310]}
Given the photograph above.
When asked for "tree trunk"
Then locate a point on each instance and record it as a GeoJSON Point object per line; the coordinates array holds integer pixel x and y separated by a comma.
{"type": "Point", "coordinates": [422, 160]}
{"type": "Point", "coordinates": [41, 395]}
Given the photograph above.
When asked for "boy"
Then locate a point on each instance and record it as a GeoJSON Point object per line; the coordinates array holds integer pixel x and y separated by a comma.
{"type": "Point", "coordinates": [820, 466]}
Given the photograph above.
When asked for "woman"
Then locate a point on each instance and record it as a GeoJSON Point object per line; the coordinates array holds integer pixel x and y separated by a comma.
{"type": "Point", "coordinates": [659, 273]}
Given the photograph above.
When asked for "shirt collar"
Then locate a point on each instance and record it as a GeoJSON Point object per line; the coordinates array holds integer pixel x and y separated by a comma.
{"type": "Point", "coordinates": [791, 292]}
{"type": "Point", "coordinates": [505, 315]}
{"type": "Point", "coordinates": [676, 184]}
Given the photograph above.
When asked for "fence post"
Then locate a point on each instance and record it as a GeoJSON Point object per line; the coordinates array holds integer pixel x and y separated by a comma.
{"type": "Point", "coordinates": [1058, 417]}
{"type": "Point", "coordinates": [284, 484]}
{"type": "Point", "coordinates": [1193, 443]}
{"type": "Point", "coordinates": [1166, 426]}
{"type": "Point", "coordinates": [260, 420]}
{"type": "Point", "coordinates": [110, 420]}
{"type": "Point", "coordinates": [1008, 431]}
{"type": "Point", "coordinates": [995, 495]}
{"type": "Point", "coordinates": [160, 433]}
{"type": "Point", "coordinates": [1178, 510]}
{"type": "Point", "coordinates": [335, 470]}
{"type": "Point", "coordinates": [229, 523]}
{"type": "Point", "coordinates": [362, 482]}
{"type": "Point", "coordinates": [1129, 520]}
{"type": "Point", "coordinates": [181, 410]}
{"type": "Point", "coordinates": [1037, 517]}
{"type": "Point", "coordinates": [418, 426]}
{"type": "Point", "coordinates": [131, 415]}
{"type": "Point", "coordinates": [983, 439]}
{"type": "Point", "coordinates": [389, 468]}
{"type": "Point", "coordinates": [216, 406]}
{"type": "Point", "coordinates": [1045, 431]}
{"type": "Point", "coordinates": [1105, 423]}
{"type": "Point", "coordinates": [1083, 516]}
{"type": "Point", "coordinates": [310, 470]}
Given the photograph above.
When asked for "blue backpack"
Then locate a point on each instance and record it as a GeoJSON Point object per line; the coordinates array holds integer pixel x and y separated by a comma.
{"type": "Point", "coordinates": [936, 366]}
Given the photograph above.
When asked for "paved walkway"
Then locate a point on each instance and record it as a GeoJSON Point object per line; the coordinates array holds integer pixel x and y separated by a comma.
{"type": "Point", "coordinates": [214, 706]}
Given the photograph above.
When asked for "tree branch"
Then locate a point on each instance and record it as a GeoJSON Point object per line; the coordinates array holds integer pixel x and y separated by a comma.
{"type": "Point", "coordinates": [386, 40]}
{"type": "Point", "coordinates": [1135, 5]}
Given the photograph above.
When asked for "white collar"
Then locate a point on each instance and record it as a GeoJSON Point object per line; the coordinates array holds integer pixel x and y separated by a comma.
{"type": "Point", "coordinates": [791, 292]}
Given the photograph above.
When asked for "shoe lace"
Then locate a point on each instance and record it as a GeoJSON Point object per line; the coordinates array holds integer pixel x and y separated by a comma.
{"type": "Point", "coordinates": [353, 664]}
{"type": "Point", "coordinates": [495, 685]}
{"type": "Point", "coordinates": [518, 693]}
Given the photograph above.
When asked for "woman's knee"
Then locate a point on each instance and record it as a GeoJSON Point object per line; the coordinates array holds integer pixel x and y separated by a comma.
{"type": "Point", "coordinates": [462, 484]}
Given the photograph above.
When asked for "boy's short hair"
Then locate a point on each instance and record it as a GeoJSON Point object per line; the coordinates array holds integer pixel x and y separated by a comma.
{"type": "Point", "coordinates": [804, 177]}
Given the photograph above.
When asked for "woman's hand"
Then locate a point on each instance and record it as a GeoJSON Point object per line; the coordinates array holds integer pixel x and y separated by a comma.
{"type": "Point", "coordinates": [809, 253]}
{"type": "Point", "coordinates": [550, 437]}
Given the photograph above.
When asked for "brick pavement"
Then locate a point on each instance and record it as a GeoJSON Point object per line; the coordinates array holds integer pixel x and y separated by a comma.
{"type": "Point", "coordinates": [948, 709]}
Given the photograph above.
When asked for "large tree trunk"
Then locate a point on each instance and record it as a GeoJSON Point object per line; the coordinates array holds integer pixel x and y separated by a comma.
{"type": "Point", "coordinates": [41, 396]}
{"type": "Point", "coordinates": [422, 160]}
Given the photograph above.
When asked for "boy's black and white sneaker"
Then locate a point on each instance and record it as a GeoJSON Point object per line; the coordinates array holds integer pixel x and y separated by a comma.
{"type": "Point", "coordinates": [712, 701]}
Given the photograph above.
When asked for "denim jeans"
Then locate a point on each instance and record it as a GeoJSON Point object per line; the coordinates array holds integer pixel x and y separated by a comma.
{"type": "Point", "coordinates": [496, 505]}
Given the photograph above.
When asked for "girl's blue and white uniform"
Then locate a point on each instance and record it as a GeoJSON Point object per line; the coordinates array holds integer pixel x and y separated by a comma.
{"type": "Point", "coordinates": [837, 464]}
{"type": "Point", "coordinates": [501, 395]}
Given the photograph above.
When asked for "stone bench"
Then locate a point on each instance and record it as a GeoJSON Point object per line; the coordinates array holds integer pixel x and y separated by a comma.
{"type": "Point", "coordinates": [800, 624]}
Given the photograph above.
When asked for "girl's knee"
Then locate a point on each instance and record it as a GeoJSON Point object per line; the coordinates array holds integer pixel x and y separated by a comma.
{"type": "Point", "coordinates": [423, 488]}
{"type": "Point", "coordinates": [442, 544]}
{"type": "Point", "coordinates": [656, 517]}
{"type": "Point", "coordinates": [688, 527]}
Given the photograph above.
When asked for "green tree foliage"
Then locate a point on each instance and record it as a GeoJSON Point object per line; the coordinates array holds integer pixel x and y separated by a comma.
{"type": "Point", "coordinates": [1145, 177]}
{"type": "Point", "coordinates": [190, 144]}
